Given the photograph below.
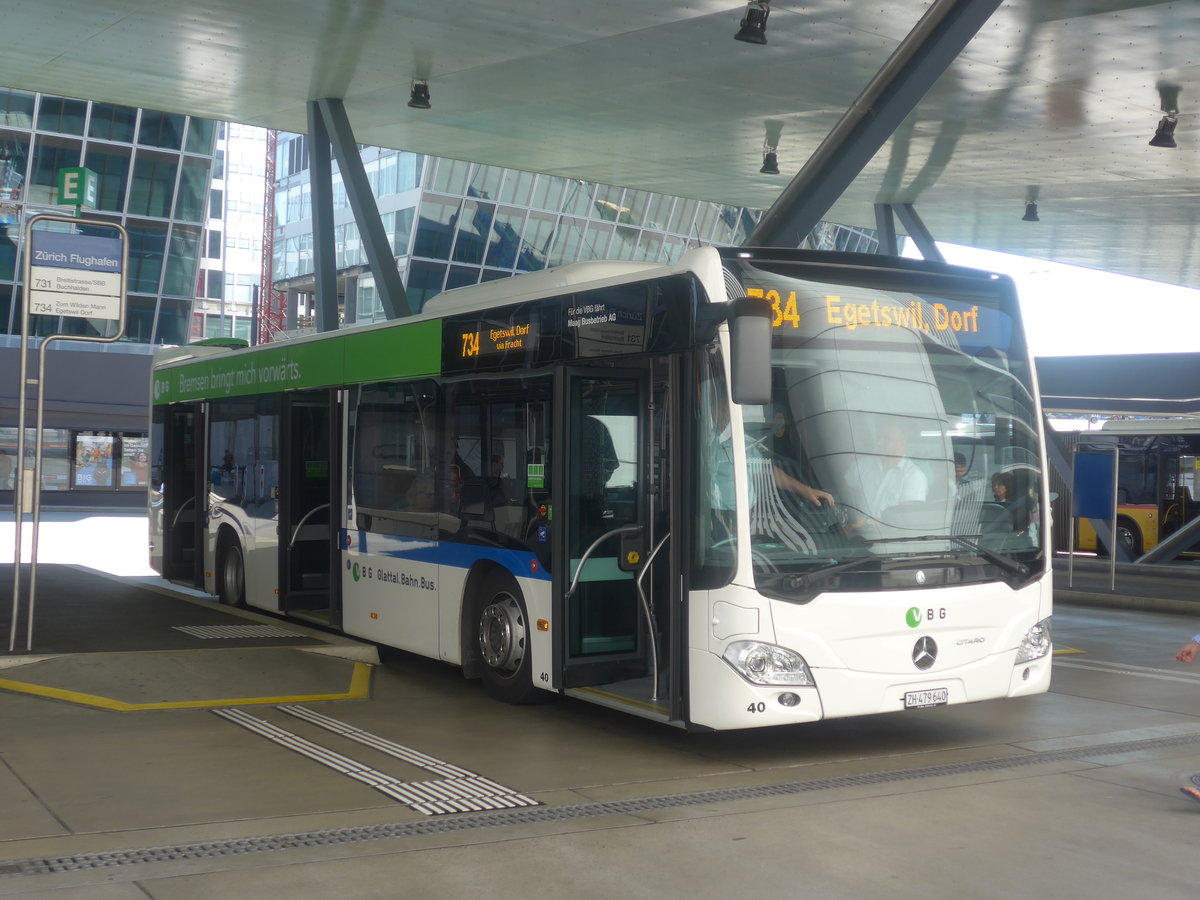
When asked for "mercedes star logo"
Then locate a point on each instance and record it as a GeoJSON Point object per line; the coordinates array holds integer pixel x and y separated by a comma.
{"type": "Point", "coordinates": [924, 653]}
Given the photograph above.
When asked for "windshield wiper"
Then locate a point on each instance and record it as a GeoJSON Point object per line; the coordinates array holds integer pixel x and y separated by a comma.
{"type": "Point", "coordinates": [1004, 562]}
{"type": "Point", "coordinates": [999, 559]}
{"type": "Point", "coordinates": [798, 582]}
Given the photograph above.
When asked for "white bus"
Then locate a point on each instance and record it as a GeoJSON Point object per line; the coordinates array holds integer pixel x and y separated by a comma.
{"type": "Point", "coordinates": [546, 481]}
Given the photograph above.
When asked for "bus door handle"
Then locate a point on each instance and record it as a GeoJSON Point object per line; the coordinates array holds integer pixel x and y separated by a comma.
{"type": "Point", "coordinates": [300, 524]}
{"type": "Point", "coordinates": [624, 529]}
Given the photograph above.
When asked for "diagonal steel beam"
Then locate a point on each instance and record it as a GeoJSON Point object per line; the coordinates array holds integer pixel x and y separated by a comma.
{"type": "Point", "coordinates": [388, 284]}
{"type": "Point", "coordinates": [920, 59]}
{"type": "Point", "coordinates": [324, 255]}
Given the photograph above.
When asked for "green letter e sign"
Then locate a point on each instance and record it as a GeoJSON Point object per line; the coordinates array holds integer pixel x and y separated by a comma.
{"type": "Point", "coordinates": [77, 187]}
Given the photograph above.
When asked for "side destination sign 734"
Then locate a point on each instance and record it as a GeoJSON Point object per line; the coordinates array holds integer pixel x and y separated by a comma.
{"type": "Point", "coordinates": [75, 275]}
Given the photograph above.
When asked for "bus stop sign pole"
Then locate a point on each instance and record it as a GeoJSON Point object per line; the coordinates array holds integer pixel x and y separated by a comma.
{"type": "Point", "coordinates": [73, 269]}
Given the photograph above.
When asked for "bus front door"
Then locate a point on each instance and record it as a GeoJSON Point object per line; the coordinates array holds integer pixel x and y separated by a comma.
{"type": "Point", "coordinates": [308, 496]}
{"type": "Point", "coordinates": [609, 652]}
{"type": "Point", "coordinates": [184, 501]}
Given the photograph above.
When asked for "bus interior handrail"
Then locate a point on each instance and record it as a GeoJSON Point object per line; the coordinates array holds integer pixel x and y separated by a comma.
{"type": "Point", "coordinates": [300, 524]}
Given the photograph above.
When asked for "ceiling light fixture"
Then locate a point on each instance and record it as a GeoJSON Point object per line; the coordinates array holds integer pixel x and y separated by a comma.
{"type": "Point", "coordinates": [753, 28]}
{"type": "Point", "coordinates": [1031, 213]}
{"type": "Point", "coordinates": [1164, 135]}
{"type": "Point", "coordinates": [418, 98]}
{"type": "Point", "coordinates": [1168, 102]}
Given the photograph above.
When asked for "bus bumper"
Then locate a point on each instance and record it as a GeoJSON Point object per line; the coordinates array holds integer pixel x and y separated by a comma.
{"type": "Point", "coordinates": [721, 699]}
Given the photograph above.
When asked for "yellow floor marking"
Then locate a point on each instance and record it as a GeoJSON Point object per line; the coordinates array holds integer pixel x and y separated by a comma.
{"type": "Point", "coordinates": [360, 682]}
{"type": "Point", "coordinates": [1063, 651]}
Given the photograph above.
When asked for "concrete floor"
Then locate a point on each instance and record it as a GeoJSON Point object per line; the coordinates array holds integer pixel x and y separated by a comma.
{"type": "Point", "coordinates": [1071, 794]}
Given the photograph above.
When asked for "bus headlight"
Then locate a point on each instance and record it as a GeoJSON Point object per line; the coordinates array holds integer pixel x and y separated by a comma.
{"type": "Point", "coordinates": [1036, 643]}
{"type": "Point", "coordinates": [761, 663]}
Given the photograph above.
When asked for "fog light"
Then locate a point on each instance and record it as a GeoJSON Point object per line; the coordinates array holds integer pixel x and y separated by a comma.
{"type": "Point", "coordinates": [789, 699]}
{"type": "Point", "coordinates": [1025, 675]}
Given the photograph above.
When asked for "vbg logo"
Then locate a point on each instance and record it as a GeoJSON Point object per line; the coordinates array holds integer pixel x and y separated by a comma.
{"type": "Point", "coordinates": [355, 572]}
{"type": "Point", "coordinates": [914, 615]}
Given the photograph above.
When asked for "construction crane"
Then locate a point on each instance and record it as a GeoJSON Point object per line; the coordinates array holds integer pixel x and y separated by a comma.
{"type": "Point", "coordinates": [271, 311]}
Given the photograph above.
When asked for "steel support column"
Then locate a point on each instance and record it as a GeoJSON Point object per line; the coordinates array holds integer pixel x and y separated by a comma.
{"type": "Point", "coordinates": [388, 284]}
{"type": "Point", "coordinates": [924, 54]}
{"type": "Point", "coordinates": [324, 256]}
{"type": "Point", "coordinates": [918, 232]}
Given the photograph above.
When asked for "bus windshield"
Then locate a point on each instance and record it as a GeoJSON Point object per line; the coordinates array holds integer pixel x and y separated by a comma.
{"type": "Point", "coordinates": [900, 446]}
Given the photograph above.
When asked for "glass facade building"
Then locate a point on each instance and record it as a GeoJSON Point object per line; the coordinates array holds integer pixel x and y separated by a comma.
{"type": "Point", "coordinates": [153, 171]}
{"type": "Point", "coordinates": [452, 224]}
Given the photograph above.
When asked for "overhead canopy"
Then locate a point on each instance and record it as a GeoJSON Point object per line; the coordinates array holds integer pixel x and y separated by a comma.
{"type": "Point", "coordinates": [1053, 97]}
{"type": "Point", "coordinates": [1165, 384]}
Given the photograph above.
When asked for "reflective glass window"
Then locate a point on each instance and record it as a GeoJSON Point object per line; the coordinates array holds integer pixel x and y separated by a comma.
{"type": "Point", "coordinates": [111, 165]}
{"type": "Point", "coordinates": [567, 239]}
{"type": "Point", "coordinates": [14, 159]}
{"type": "Point", "coordinates": [112, 123]}
{"type": "Point", "coordinates": [547, 192]}
{"type": "Point", "coordinates": [435, 227]}
{"type": "Point", "coordinates": [402, 231]}
{"type": "Point", "coordinates": [518, 186]}
{"type": "Point", "coordinates": [139, 319]}
{"type": "Point", "coordinates": [505, 237]}
{"type": "Point", "coordinates": [173, 318]}
{"type": "Point", "coordinates": [153, 184]}
{"type": "Point", "coordinates": [147, 247]}
{"type": "Point", "coordinates": [161, 129]}
{"type": "Point", "coordinates": [8, 259]}
{"type": "Point", "coordinates": [461, 276]}
{"type": "Point", "coordinates": [61, 115]}
{"type": "Point", "coordinates": [16, 108]}
{"type": "Point", "coordinates": [200, 136]}
{"type": "Point", "coordinates": [577, 199]}
{"type": "Point", "coordinates": [451, 176]}
{"type": "Point", "coordinates": [193, 190]}
{"type": "Point", "coordinates": [474, 225]}
{"type": "Point", "coordinates": [539, 229]}
{"type": "Point", "coordinates": [182, 259]}
{"type": "Point", "coordinates": [51, 154]}
{"type": "Point", "coordinates": [424, 281]}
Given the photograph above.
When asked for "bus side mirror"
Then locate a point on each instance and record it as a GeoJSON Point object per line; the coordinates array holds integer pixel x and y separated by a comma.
{"type": "Point", "coordinates": [750, 351]}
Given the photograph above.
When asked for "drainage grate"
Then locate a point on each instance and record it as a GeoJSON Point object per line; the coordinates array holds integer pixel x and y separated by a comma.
{"type": "Point", "coordinates": [234, 632]}
{"type": "Point", "coordinates": [469, 822]}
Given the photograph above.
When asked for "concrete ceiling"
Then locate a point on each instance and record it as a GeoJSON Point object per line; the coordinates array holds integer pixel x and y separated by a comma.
{"type": "Point", "coordinates": [1057, 94]}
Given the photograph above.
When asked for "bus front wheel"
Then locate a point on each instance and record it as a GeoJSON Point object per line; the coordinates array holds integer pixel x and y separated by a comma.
{"type": "Point", "coordinates": [231, 576]}
{"type": "Point", "coordinates": [501, 627]}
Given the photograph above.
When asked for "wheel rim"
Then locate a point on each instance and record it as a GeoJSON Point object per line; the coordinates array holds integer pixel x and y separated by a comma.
{"type": "Point", "coordinates": [502, 635]}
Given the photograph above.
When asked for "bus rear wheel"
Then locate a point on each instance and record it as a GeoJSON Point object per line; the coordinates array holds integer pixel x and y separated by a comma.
{"type": "Point", "coordinates": [501, 628]}
{"type": "Point", "coordinates": [1129, 537]}
{"type": "Point", "coordinates": [231, 576]}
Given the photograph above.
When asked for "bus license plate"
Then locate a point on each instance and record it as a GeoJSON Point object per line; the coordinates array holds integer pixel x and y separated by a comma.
{"type": "Point", "coordinates": [922, 699]}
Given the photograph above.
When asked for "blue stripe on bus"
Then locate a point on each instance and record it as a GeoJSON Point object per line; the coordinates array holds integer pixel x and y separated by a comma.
{"type": "Point", "coordinates": [445, 553]}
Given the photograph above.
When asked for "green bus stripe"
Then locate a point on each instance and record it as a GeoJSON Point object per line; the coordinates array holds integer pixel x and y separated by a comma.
{"type": "Point", "coordinates": [351, 357]}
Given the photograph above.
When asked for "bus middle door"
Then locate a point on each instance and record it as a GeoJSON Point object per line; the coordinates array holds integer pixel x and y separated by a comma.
{"type": "Point", "coordinates": [602, 458]}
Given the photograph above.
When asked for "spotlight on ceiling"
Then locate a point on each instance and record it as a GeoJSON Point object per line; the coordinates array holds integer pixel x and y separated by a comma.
{"type": "Point", "coordinates": [1031, 195]}
{"type": "Point", "coordinates": [770, 164]}
{"type": "Point", "coordinates": [1168, 102]}
{"type": "Point", "coordinates": [1164, 135]}
{"type": "Point", "coordinates": [753, 28]}
{"type": "Point", "coordinates": [418, 98]}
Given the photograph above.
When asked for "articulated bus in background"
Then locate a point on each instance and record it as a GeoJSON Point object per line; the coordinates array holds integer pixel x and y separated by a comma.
{"type": "Point", "coordinates": [1158, 480]}
{"type": "Point", "coordinates": [546, 482]}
